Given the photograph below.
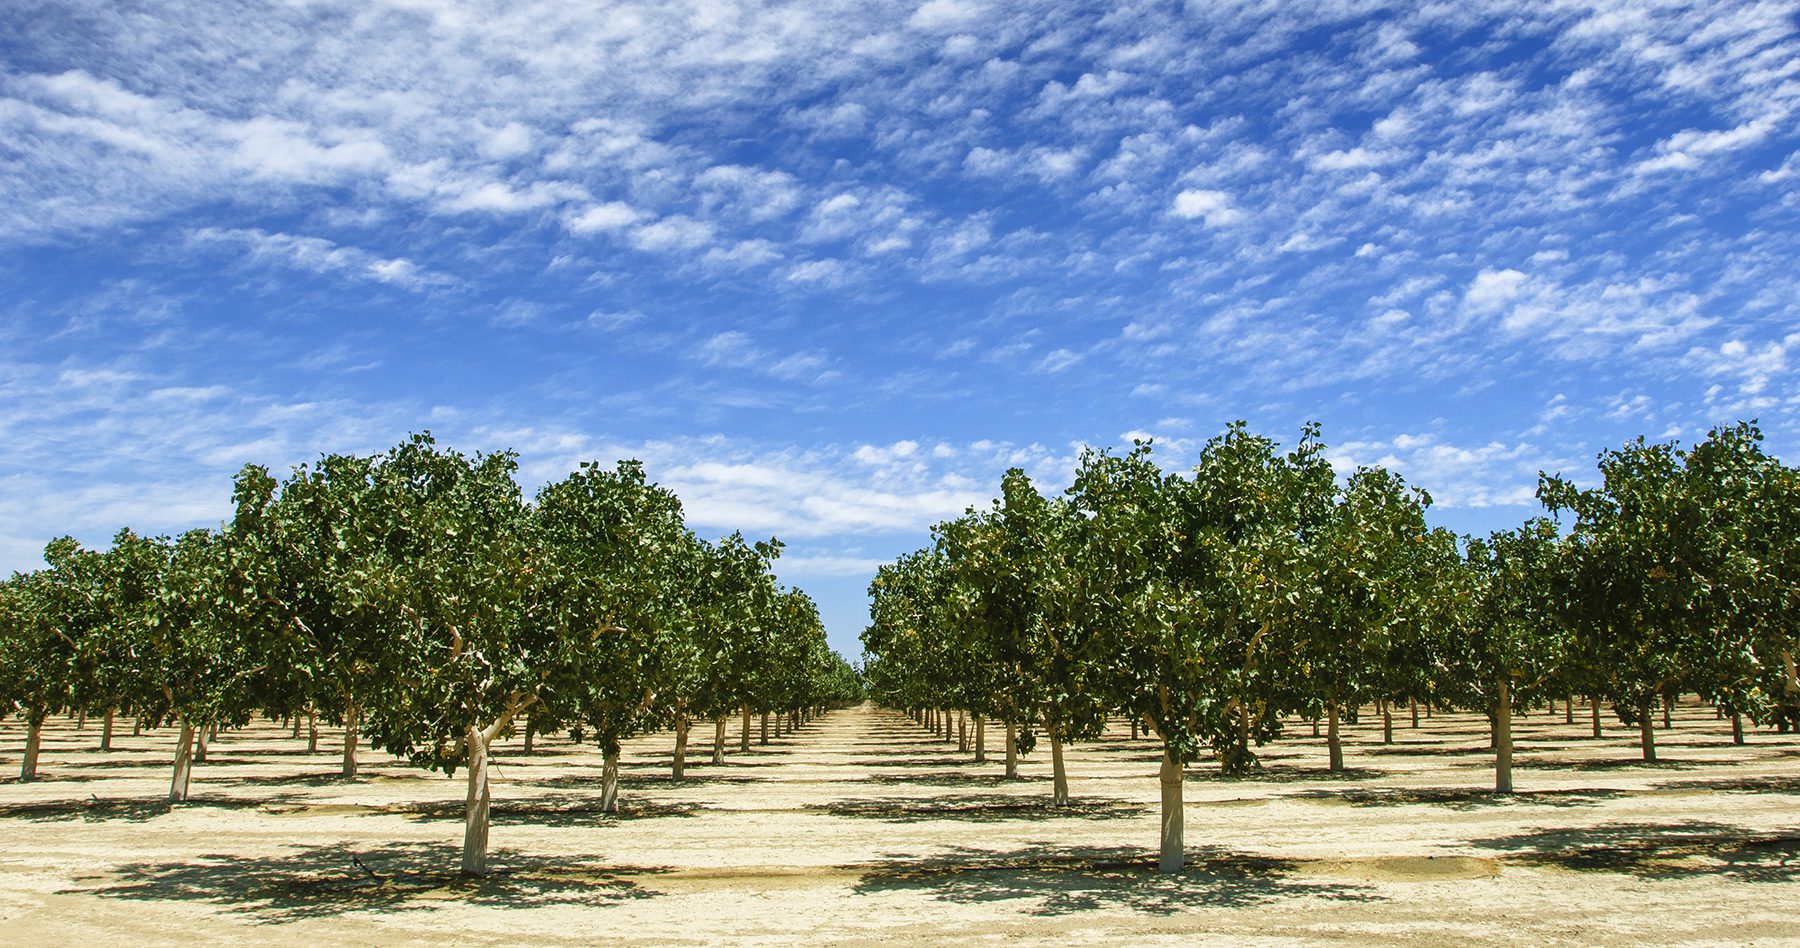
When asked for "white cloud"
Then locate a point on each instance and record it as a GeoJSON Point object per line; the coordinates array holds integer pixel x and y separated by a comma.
{"type": "Point", "coordinates": [1211, 207]}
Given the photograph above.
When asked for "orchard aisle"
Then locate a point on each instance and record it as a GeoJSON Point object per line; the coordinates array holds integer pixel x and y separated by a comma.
{"type": "Point", "coordinates": [864, 828]}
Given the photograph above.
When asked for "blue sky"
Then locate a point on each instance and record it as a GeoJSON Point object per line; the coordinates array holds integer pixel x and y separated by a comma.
{"type": "Point", "coordinates": [829, 268]}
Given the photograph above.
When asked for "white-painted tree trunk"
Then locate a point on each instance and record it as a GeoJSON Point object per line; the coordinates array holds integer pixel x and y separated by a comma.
{"type": "Point", "coordinates": [184, 764]}
{"type": "Point", "coordinates": [1059, 783]}
{"type": "Point", "coordinates": [1174, 849]}
{"type": "Point", "coordinates": [1012, 750]}
{"type": "Point", "coordinates": [34, 739]}
{"type": "Point", "coordinates": [1333, 739]}
{"type": "Point", "coordinates": [609, 776]}
{"type": "Point", "coordinates": [477, 806]}
{"type": "Point", "coordinates": [352, 718]}
{"type": "Point", "coordinates": [1503, 745]}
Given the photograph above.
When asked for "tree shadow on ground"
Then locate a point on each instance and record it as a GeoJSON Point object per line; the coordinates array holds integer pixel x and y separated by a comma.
{"type": "Point", "coordinates": [1060, 880]}
{"type": "Point", "coordinates": [1425, 749]}
{"type": "Point", "coordinates": [330, 880]}
{"type": "Point", "coordinates": [979, 808]}
{"type": "Point", "coordinates": [1602, 765]}
{"type": "Point", "coordinates": [1460, 798]}
{"type": "Point", "coordinates": [1737, 785]}
{"type": "Point", "coordinates": [947, 759]}
{"type": "Point", "coordinates": [1689, 849]}
{"type": "Point", "coordinates": [948, 778]}
{"type": "Point", "coordinates": [94, 809]}
{"type": "Point", "coordinates": [561, 809]}
{"type": "Point", "coordinates": [1287, 773]}
{"type": "Point", "coordinates": [590, 780]}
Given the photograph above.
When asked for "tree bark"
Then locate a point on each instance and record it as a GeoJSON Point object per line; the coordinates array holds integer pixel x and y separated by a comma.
{"type": "Point", "coordinates": [352, 718]}
{"type": "Point", "coordinates": [1173, 851]}
{"type": "Point", "coordinates": [1668, 706]}
{"type": "Point", "coordinates": [1503, 747]}
{"type": "Point", "coordinates": [765, 728]}
{"type": "Point", "coordinates": [744, 738]}
{"type": "Point", "coordinates": [609, 775]}
{"type": "Point", "coordinates": [962, 732]}
{"type": "Point", "coordinates": [1387, 722]}
{"type": "Point", "coordinates": [1414, 702]}
{"type": "Point", "coordinates": [1059, 792]}
{"type": "Point", "coordinates": [1012, 750]}
{"type": "Point", "coordinates": [34, 738]}
{"type": "Point", "coordinates": [1134, 727]}
{"type": "Point", "coordinates": [1594, 709]}
{"type": "Point", "coordinates": [296, 723]}
{"type": "Point", "coordinates": [312, 732]}
{"type": "Point", "coordinates": [1568, 709]}
{"type": "Point", "coordinates": [1647, 732]}
{"type": "Point", "coordinates": [106, 730]}
{"type": "Point", "coordinates": [1737, 728]}
{"type": "Point", "coordinates": [476, 807]}
{"type": "Point", "coordinates": [530, 737]}
{"type": "Point", "coordinates": [200, 745]}
{"type": "Point", "coordinates": [718, 754]}
{"type": "Point", "coordinates": [1333, 741]}
{"type": "Point", "coordinates": [980, 739]}
{"type": "Point", "coordinates": [184, 764]}
{"type": "Point", "coordinates": [681, 739]}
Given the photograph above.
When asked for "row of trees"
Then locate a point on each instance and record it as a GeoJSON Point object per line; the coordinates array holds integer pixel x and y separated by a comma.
{"type": "Point", "coordinates": [1211, 607]}
{"type": "Point", "coordinates": [417, 600]}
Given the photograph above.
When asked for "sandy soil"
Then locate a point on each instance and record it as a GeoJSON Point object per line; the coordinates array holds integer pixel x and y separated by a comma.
{"type": "Point", "coordinates": [863, 829]}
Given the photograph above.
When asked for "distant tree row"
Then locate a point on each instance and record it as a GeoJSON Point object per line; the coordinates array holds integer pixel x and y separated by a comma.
{"type": "Point", "coordinates": [1210, 607]}
{"type": "Point", "coordinates": [415, 599]}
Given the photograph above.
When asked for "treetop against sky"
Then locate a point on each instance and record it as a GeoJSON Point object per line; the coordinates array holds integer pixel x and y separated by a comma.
{"type": "Point", "coordinates": [828, 268]}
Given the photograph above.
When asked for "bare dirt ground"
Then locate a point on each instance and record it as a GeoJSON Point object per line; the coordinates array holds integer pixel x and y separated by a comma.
{"type": "Point", "coordinates": [863, 829]}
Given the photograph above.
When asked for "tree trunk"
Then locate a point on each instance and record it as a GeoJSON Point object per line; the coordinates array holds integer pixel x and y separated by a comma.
{"type": "Point", "coordinates": [1594, 709]}
{"type": "Point", "coordinates": [1668, 706]}
{"type": "Point", "coordinates": [1568, 709]}
{"type": "Point", "coordinates": [1012, 750]}
{"type": "Point", "coordinates": [609, 775]}
{"type": "Point", "coordinates": [530, 737]}
{"type": "Point", "coordinates": [980, 739]}
{"type": "Point", "coordinates": [718, 755]}
{"type": "Point", "coordinates": [475, 809]}
{"type": "Point", "coordinates": [296, 722]}
{"type": "Point", "coordinates": [962, 732]}
{"type": "Point", "coordinates": [1647, 732]}
{"type": "Point", "coordinates": [1174, 851]}
{"type": "Point", "coordinates": [312, 732]}
{"type": "Point", "coordinates": [765, 728]}
{"type": "Point", "coordinates": [200, 745]}
{"type": "Point", "coordinates": [137, 727]}
{"type": "Point", "coordinates": [34, 738]}
{"type": "Point", "coordinates": [949, 727]}
{"type": "Point", "coordinates": [681, 739]}
{"type": "Point", "coordinates": [1737, 728]}
{"type": "Point", "coordinates": [1059, 793]}
{"type": "Point", "coordinates": [352, 718]}
{"type": "Point", "coordinates": [744, 738]}
{"type": "Point", "coordinates": [184, 764]}
{"type": "Point", "coordinates": [1387, 723]}
{"type": "Point", "coordinates": [1315, 727]}
{"type": "Point", "coordinates": [1134, 727]}
{"type": "Point", "coordinates": [1333, 740]}
{"type": "Point", "coordinates": [1414, 702]}
{"type": "Point", "coordinates": [1503, 747]}
{"type": "Point", "coordinates": [106, 730]}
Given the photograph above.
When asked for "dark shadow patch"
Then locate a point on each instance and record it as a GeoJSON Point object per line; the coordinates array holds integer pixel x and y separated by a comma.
{"type": "Point", "coordinates": [1059, 880]}
{"type": "Point", "coordinates": [945, 778]}
{"type": "Point", "coordinates": [979, 808]}
{"type": "Point", "coordinates": [1605, 764]}
{"type": "Point", "coordinates": [326, 881]}
{"type": "Point", "coordinates": [1459, 798]}
{"type": "Point", "coordinates": [1693, 848]}
{"type": "Point", "coordinates": [1737, 785]}
{"type": "Point", "coordinates": [1288, 773]}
